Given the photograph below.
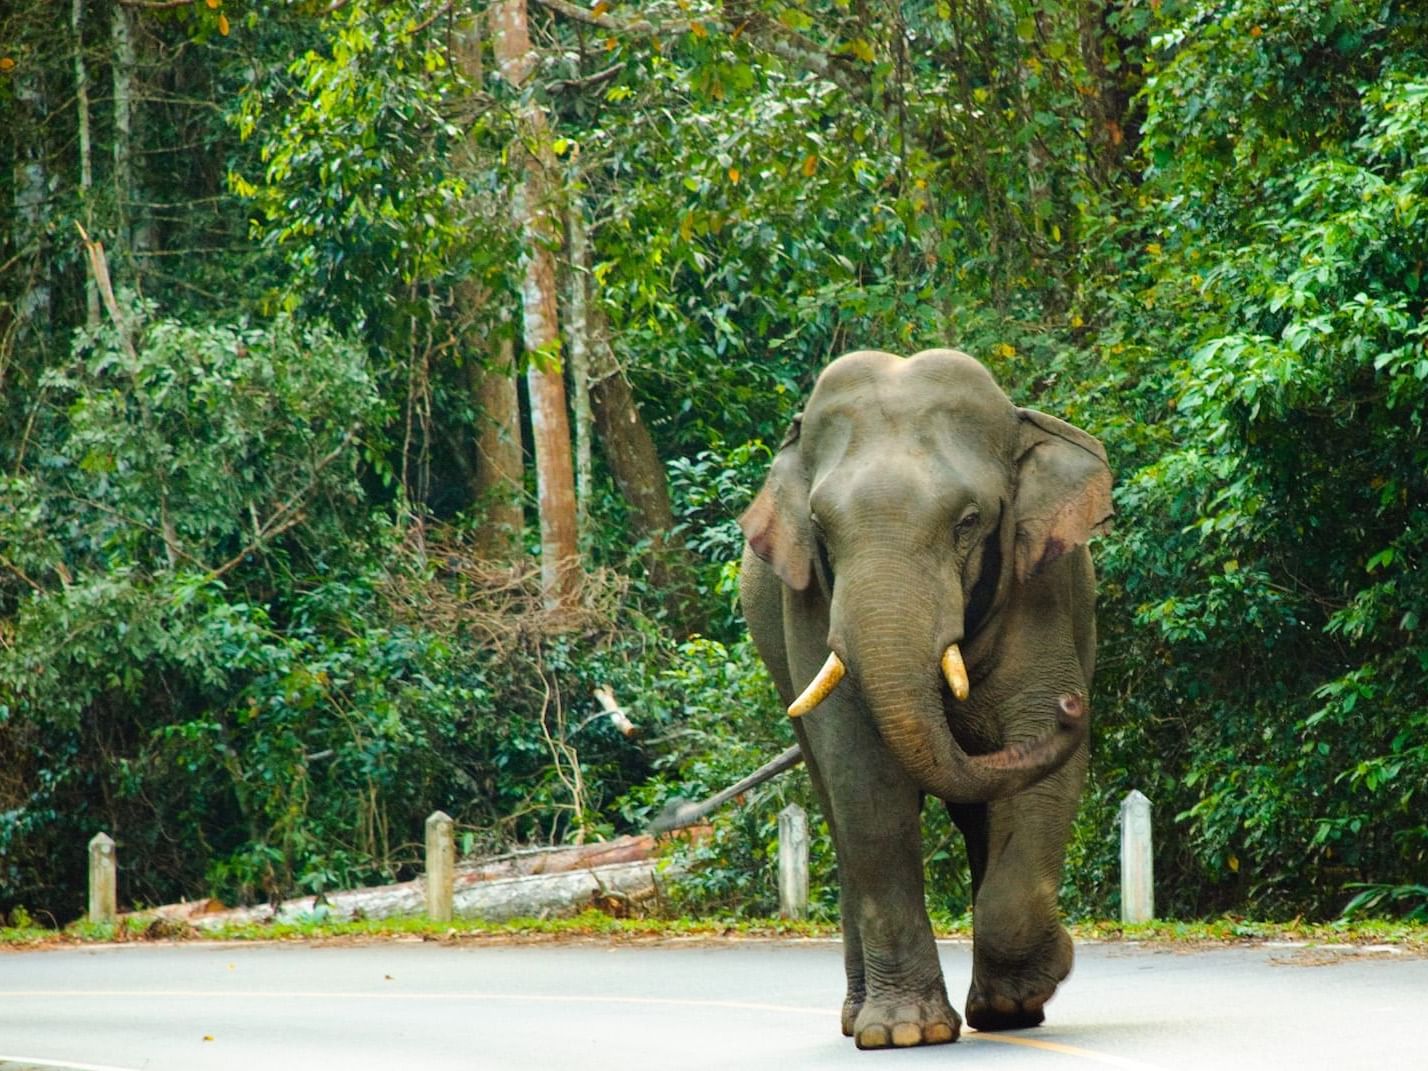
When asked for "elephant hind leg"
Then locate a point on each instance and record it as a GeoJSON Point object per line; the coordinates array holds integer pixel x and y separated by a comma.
{"type": "Point", "coordinates": [1013, 996]}
{"type": "Point", "coordinates": [1020, 950]}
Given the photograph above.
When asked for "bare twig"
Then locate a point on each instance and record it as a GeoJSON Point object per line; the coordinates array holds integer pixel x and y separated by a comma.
{"type": "Point", "coordinates": [442, 10]}
{"type": "Point", "coordinates": [680, 813]}
{"type": "Point", "coordinates": [494, 605]}
{"type": "Point", "coordinates": [590, 80]}
{"type": "Point", "coordinates": [612, 710]}
{"type": "Point", "coordinates": [604, 22]}
{"type": "Point", "coordinates": [12, 567]}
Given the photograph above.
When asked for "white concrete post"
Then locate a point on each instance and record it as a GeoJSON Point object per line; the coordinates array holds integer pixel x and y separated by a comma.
{"type": "Point", "coordinates": [440, 866]}
{"type": "Point", "coordinates": [1137, 867]}
{"type": "Point", "coordinates": [792, 862]}
{"type": "Point", "coordinates": [103, 879]}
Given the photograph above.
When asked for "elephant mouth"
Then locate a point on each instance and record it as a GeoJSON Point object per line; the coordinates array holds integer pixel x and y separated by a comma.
{"type": "Point", "coordinates": [954, 673]}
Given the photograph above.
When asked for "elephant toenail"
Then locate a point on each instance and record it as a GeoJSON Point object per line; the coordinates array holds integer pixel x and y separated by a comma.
{"type": "Point", "coordinates": [938, 1033]}
{"type": "Point", "coordinates": [873, 1037]}
{"type": "Point", "coordinates": [905, 1034]}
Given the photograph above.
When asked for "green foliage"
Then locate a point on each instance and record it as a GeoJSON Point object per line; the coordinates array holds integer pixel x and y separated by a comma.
{"type": "Point", "coordinates": [231, 631]}
{"type": "Point", "coordinates": [720, 720]}
{"type": "Point", "coordinates": [1273, 535]}
{"type": "Point", "coordinates": [358, 189]}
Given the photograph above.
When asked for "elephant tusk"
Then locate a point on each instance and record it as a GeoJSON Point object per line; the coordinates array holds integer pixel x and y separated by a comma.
{"type": "Point", "coordinates": [955, 672]}
{"type": "Point", "coordinates": [818, 689]}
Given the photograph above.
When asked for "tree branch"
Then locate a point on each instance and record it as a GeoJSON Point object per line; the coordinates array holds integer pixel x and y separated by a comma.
{"type": "Point", "coordinates": [590, 80]}
{"type": "Point", "coordinates": [605, 22]}
{"type": "Point", "coordinates": [442, 10]}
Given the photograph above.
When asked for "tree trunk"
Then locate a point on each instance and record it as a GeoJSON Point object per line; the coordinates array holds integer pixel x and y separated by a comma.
{"type": "Point", "coordinates": [1108, 102]}
{"type": "Point", "coordinates": [628, 448]}
{"type": "Point", "coordinates": [134, 232]}
{"type": "Point", "coordinates": [624, 439]}
{"type": "Point", "coordinates": [86, 155]}
{"type": "Point", "coordinates": [578, 332]}
{"type": "Point", "coordinates": [524, 883]}
{"type": "Point", "coordinates": [630, 452]}
{"type": "Point", "coordinates": [496, 486]}
{"type": "Point", "coordinates": [537, 221]}
{"type": "Point", "coordinates": [32, 189]}
{"type": "Point", "coordinates": [1037, 162]}
{"type": "Point", "coordinates": [499, 457]}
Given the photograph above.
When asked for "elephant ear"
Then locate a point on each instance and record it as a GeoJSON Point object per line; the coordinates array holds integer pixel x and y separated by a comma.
{"type": "Point", "coordinates": [1063, 494]}
{"type": "Point", "coordinates": [777, 523]}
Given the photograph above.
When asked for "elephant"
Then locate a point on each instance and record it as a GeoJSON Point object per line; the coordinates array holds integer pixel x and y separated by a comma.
{"type": "Point", "coordinates": [917, 581]}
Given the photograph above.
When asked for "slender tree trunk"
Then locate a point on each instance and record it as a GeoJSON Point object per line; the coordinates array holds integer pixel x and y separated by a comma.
{"type": "Point", "coordinates": [499, 457]}
{"type": "Point", "coordinates": [625, 440]}
{"type": "Point", "coordinates": [578, 332]}
{"type": "Point", "coordinates": [538, 223]}
{"type": "Point", "coordinates": [122, 42]}
{"type": "Point", "coordinates": [1113, 137]}
{"type": "Point", "coordinates": [86, 156]}
{"type": "Point", "coordinates": [629, 450]}
{"type": "Point", "coordinates": [496, 486]}
{"type": "Point", "coordinates": [32, 189]}
{"type": "Point", "coordinates": [1037, 163]}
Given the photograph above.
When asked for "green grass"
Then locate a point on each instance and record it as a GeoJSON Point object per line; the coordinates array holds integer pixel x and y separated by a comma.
{"type": "Point", "coordinates": [594, 924]}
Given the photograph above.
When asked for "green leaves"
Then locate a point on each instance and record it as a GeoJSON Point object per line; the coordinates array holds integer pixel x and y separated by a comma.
{"type": "Point", "coordinates": [1282, 312]}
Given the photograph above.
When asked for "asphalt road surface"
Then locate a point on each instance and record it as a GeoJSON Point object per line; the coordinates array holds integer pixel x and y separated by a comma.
{"type": "Point", "coordinates": [676, 1005]}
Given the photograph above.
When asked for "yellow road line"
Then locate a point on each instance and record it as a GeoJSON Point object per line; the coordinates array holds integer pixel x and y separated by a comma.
{"type": "Point", "coordinates": [1062, 1048]}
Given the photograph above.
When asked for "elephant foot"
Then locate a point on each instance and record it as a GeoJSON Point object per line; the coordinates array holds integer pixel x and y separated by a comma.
{"type": "Point", "coordinates": [899, 1022]}
{"type": "Point", "coordinates": [1011, 993]}
{"type": "Point", "coordinates": [999, 1011]}
{"type": "Point", "coordinates": [851, 1008]}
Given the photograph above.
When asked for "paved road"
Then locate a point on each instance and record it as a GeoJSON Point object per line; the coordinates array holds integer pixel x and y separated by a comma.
{"type": "Point", "coordinates": [592, 1006]}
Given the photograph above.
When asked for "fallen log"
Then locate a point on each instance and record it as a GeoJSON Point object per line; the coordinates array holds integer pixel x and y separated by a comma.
{"type": "Point", "coordinates": [541, 882]}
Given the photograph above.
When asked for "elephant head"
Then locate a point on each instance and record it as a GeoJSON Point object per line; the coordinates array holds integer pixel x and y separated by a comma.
{"type": "Point", "coordinates": [913, 497]}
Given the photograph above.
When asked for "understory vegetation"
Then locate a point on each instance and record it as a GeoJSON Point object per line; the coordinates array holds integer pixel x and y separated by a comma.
{"type": "Point", "coordinates": [259, 613]}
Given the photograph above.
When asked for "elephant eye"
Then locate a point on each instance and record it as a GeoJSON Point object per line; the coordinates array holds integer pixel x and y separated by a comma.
{"type": "Point", "coordinates": [969, 522]}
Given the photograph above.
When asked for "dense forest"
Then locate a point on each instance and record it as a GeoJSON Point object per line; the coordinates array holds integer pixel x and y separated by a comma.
{"type": "Point", "coordinates": [382, 378]}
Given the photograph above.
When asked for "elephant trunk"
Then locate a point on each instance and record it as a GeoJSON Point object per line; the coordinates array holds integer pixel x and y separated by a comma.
{"type": "Point", "coordinates": [890, 640]}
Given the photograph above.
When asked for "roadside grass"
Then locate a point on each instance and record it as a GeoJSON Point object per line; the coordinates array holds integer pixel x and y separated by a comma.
{"type": "Point", "coordinates": [593, 924]}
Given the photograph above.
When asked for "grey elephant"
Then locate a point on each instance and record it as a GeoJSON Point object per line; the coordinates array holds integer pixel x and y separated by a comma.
{"type": "Point", "coordinates": [917, 582]}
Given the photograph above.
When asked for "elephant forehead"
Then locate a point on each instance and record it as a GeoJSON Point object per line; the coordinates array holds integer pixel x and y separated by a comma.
{"type": "Point", "coordinates": [886, 424]}
{"type": "Point", "coordinates": [930, 385]}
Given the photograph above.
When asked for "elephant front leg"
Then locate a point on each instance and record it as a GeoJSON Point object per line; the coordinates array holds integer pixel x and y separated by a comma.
{"type": "Point", "coordinates": [896, 995]}
{"type": "Point", "coordinates": [1020, 950]}
{"type": "Point", "coordinates": [908, 1003]}
{"type": "Point", "coordinates": [904, 999]}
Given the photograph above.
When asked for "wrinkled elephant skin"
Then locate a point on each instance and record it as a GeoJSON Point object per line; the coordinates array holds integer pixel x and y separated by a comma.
{"type": "Point", "coordinates": [917, 581]}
